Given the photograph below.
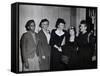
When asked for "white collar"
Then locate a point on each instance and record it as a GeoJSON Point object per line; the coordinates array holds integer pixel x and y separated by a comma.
{"type": "Point", "coordinates": [47, 35]}
{"type": "Point", "coordinates": [59, 33]}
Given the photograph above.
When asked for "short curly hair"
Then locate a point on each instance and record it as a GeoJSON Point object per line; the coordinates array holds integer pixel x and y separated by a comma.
{"type": "Point", "coordinates": [59, 20]}
{"type": "Point", "coordinates": [43, 20]}
{"type": "Point", "coordinates": [84, 22]}
{"type": "Point", "coordinates": [28, 24]}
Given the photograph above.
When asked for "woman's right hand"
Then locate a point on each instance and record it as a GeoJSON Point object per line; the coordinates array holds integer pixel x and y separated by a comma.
{"type": "Point", "coordinates": [26, 65]}
{"type": "Point", "coordinates": [43, 57]}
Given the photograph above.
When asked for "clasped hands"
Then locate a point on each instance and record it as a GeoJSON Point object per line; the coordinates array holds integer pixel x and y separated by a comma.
{"type": "Point", "coordinates": [59, 48]}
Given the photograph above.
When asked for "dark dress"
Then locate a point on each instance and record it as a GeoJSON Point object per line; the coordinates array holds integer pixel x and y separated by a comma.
{"type": "Point", "coordinates": [70, 50]}
{"type": "Point", "coordinates": [55, 62]}
{"type": "Point", "coordinates": [84, 52]}
{"type": "Point", "coordinates": [92, 45]}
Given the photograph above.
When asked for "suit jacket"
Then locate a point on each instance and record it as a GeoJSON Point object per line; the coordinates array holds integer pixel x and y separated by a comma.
{"type": "Point", "coordinates": [28, 46]}
{"type": "Point", "coordinates": [43, 48]}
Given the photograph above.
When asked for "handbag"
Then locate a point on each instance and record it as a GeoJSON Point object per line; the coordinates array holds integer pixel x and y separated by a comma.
{"type": "Point", "coordinates": [64, 58]}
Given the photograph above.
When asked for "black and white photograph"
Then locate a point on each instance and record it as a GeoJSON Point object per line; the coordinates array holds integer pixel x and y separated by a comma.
{"type": "Point", "coordinates": [50, 37]}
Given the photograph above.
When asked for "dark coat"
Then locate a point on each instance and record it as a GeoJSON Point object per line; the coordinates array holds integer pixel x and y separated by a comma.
{"type": "Point", "coordinates": [84, 52]}
{"type": "Point", "coordinates": [43, 49]}
{"type": "Point", "coordinates": [28, 46]}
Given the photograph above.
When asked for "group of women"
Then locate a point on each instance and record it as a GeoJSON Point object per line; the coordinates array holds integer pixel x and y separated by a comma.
{"type": "Point", "coordinates": [56, 50]}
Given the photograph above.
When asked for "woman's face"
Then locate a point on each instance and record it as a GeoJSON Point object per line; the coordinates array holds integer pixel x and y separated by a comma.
{"type": "Point", "coordinates": [71, 32]}
{"type": "Point", "coordinates": [45, 25]}
{"type": "Point", "coordinates": [61, 26]}
{"type": "Point", "coordinates": [83, 27]}
{"type": "Point", "coordinates": [32, 27]}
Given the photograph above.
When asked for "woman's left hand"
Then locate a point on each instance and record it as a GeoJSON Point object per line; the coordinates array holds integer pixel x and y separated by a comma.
{"type": "Point", "coordinates": [94, 58]}
{"type": "Point", "coordinates": [60, 49]}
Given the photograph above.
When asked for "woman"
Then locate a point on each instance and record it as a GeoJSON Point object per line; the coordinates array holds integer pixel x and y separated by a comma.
{"type": "Point", "coordinates": [28, 44]}
{"type": "Point", "coordinates": [84, 52]}
{"type": "Point", "coordinates": [43, 45]}
{"type": "Point", "coordinates": [70, 48]}
{"type": "Point", "coordinates": [57, 42]}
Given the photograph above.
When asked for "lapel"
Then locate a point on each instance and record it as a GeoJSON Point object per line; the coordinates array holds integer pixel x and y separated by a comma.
{"type": "Point", "coordinates": [33, 39]}
{"type": "Point", "coordinates": [36, 37]}
{"type": "Point", "coordinates": [44, 36]}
